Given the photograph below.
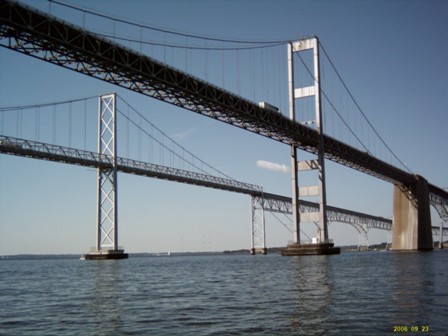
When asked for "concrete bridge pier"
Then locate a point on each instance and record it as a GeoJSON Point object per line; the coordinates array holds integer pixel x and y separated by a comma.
{"type": "Point", "coordinates": [411, 226]}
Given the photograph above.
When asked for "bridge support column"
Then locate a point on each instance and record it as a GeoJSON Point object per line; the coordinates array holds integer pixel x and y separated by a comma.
{"type": "Point", "coordinates": [107, 216]}
{"type": "Point", "coordinates": [411, 229]}
{"type": "Point", "coordinates": [257, 226]}
{"type": "Point", "coordinates": [441, 246]}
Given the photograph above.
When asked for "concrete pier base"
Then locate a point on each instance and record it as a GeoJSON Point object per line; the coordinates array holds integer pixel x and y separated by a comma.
{"type": "Point", "coordinates": [260, 250]}
{"type": "Point", "coordinates": [411, 226]}
{"type": "Point", "coordinates": [105, 255]}
{"type": "Point", "coordinates": [296, 249]}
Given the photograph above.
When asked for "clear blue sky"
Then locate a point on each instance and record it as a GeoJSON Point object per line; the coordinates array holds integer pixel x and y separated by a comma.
{"type": "Point", "coordinates": [391, 54]}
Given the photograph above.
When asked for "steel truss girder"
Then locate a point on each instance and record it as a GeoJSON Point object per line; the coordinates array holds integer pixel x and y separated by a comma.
{"type": "Point", "coordinates": [40, 35]}
{"type": "Point", "coordinates": [281, 204]}
{"type": "Point", "coordinates": [361, 221]}
{"type": "Point", "coordinates": [44, 151]}
{"type": "Point", "coordinates": [440, 204]}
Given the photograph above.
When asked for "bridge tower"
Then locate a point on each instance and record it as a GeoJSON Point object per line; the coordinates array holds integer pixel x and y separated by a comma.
{"type": "Point", "coordinates": [321, 244]}
{"type": "Point", "coordinates": [107, 211]}
{"type": "Point", "coordinates": [257, 225]}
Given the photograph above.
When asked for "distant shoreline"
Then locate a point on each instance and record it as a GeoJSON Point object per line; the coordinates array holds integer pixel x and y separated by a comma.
{"type": "Point", "coordinates": [271, 250]}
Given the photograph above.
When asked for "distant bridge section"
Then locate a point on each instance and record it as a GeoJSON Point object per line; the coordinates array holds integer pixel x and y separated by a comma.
{"type": "Point", "coordinates": [49, 152]}
{"type": "Point", "coordinates": [283, 204]}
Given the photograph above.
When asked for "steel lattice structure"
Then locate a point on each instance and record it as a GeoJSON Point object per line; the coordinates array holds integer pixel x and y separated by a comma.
{"type": "Point", "coordinates": [282, 204]}
{"type": "Point", "coordinates": [107, 213]}
{"type": "Point", "coordinates": [49, 152]}
{"type": "Point", "coordinates": [29, 31]}
{"type": "Point", "coordinates": [440, 204]}
{"type": "Point", "coordinates": [258, 234]}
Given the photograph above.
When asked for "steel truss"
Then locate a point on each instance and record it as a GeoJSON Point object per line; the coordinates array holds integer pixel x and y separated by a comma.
{"type": "Point", "coordinates": [440, 204]}
{"type": "Point", "coordinates": [49, 152]}
{"type": "Point", "coordinates": [280, 204]}
{"type": "Point", "coordinates": [257, 226]}
{"type": "Point", "coordinates": [43, 36]}
{"type": "Point", "coordinates": [360, 221]}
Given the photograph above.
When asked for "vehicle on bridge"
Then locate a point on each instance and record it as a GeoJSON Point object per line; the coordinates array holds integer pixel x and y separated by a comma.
{"type": "Point", "coordinates": [268, 107]}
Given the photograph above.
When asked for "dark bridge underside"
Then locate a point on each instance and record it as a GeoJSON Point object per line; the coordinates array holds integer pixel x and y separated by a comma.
{"type": "Point", "coordinates": [37, 34]}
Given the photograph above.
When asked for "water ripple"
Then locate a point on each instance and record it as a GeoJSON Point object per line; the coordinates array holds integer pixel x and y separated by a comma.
{"type": "Point", "coordinates": [364, 293]}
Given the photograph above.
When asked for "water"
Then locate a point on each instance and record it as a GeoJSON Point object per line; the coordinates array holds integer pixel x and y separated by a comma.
{"type": "Point", "coordinates": [364, 293]}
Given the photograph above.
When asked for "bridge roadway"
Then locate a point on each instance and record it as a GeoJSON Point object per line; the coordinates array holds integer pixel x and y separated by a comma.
{"type": "Point", "coordinates": [31, 32]}
{"type": "Point", "coordinates": [271, 202]}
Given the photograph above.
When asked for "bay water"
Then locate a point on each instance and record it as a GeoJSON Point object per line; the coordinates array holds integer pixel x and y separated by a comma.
{"type": "Point", "coordinates": [357, 293]}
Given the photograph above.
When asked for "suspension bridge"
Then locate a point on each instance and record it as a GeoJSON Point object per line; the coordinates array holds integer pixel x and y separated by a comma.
{"type": "Point", "coordinates": [43, 36]}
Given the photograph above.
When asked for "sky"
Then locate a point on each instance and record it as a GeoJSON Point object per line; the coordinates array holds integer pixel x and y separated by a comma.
{"type": "Point", "coordinates": [391, 54]}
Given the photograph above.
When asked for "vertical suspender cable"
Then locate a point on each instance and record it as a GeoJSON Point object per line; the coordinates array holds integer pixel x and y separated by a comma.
{"type": "Point", "coordinates": [70, 125]}
{"type": "Point", "coordinates": [139, 138]}
{"type": "Point", "coordinates": [85, 124]}
{"type": "Point", "coordinates": [127, 134]}
{"type": "Point", "coordinates": [206, 60]}
{"type": "Point", "coordinates": [223, 70]}
{"type": "Point", "coordinates": [54, 124]}
{"type": "Point", "coordinates": [38, 124]}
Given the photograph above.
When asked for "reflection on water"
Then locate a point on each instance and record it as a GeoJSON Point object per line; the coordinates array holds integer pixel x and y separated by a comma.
{"type": "Point", "coordinates": [311, 291]}
{"type": "Point", "coordinates": [105, 288]}
{"type": "Point", "coordinates": [414, 291]}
